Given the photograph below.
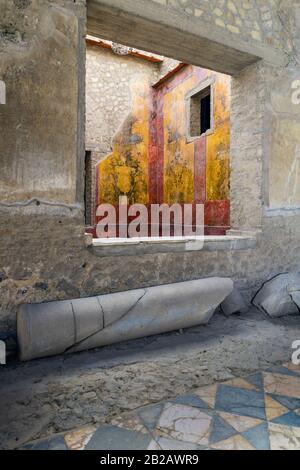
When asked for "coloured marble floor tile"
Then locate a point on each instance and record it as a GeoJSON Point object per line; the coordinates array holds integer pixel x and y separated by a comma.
{"type": "Point", "coordinates": [240, 423]}
{"type": "Point", "coordinates": [53, 443]}
{"type": "Point", "coordinates": [257, 412]}
{"type": "Point", "coordinates": [240, 383]}
{"type": "Point", "coordinates": [284, 437]}
{"type": "Point", "coordinates": [220, 430]}
{"type": "Point", "coordinates": [283, 370]}
{"type": "Point", "coordinates": [208, 394]}
{"type": "Point", "coordinates": [274, 409]}
{"type": "Point", "coordinates": [184, 423]}
{"type": "Point", "coordinates": [191, 400]}
{"type": "Point", "coordinates": [78, 439]}
{"type": "Point", "coordinates": [293, 368]}
{"type": "Point", "coordinates": [149, 415]}
{"type": "Point", "coordinates": [133, 423]}
{"type": "Point", "coordinates": [279, 384]}
{"type": "Point", "coordinates": [258, 437]}
{"type": "Point", "coordinates": [256, 380]}
{"type": "Point", "coordinates": [241, 402]}
{"type": "Point", "coordinates": [163, 443]}
{"type": "Point", "coordinates": [290, 419]}
{"type": "Point", "coordinates": [288, 402]}
{"type": "Point", "coordinates": [114, 438]}
{"type": "Point", "coordinates": [237, 442]}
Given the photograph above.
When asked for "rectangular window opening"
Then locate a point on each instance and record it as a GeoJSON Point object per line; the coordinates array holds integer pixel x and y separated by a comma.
{"type": "Point", "coordinates": [200, 112]}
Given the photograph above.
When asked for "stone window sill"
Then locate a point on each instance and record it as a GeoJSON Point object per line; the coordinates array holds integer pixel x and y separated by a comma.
{"type": "Point", "coordinates": [136, 246]}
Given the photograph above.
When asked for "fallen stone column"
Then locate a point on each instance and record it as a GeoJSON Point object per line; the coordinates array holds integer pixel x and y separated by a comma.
{"type": "Point", "coordinates": [75, 325]}
{"type": "Point", "coordinates": [279, 296]}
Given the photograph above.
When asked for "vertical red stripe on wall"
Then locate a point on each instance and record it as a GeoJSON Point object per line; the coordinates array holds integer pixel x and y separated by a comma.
{"type": "Point", "coordinates": [160, 146]}
{"type": "Point", "coordinates": [200, 170]}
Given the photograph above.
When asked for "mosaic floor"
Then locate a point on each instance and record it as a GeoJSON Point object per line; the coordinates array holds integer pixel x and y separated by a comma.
{"type": "Point", "coordinates": [259, 412]}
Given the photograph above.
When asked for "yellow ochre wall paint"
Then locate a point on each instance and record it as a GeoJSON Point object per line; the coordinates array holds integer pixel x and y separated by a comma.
{"type": "Point", "coordinates": [126, 170]}
{"type": "Point", "coordinates": [218, 143]}
{"type": "Point", "coordinates": [178, 154]}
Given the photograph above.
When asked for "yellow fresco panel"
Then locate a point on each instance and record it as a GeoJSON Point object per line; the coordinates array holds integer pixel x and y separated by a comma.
{"type": "Point", "coordinates": [125, 170]}
{"type": "Point", "coordinates": [218, 144]}
{"type": "Point", "coordinates": [178, 154]}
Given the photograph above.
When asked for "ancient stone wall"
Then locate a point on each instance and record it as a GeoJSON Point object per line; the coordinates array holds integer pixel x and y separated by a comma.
{"type": "Point", "coordinates": [43, 253]}
{"type": "Point", "coordinates": [110, 82]}
{"type": "Point", "coordinates": [248, 19]}
{"type": "Point", "coordinates": [40, 65]}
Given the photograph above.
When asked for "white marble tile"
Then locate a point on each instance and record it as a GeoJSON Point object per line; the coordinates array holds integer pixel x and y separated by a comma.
{"type": "Point", "coordinates": [284, 437]}
{"type": "Point", "coordinates": [184, 423]}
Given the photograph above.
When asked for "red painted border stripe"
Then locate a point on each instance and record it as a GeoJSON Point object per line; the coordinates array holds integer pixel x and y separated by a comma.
{"type": "Point", "coordinates": [200, 170]}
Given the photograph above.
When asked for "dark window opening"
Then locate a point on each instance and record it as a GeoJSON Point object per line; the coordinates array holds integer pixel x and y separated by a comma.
{"type": "Point", "coordinates": [200, 112]}
{"type": "Point", "coordinates": [205, 113]}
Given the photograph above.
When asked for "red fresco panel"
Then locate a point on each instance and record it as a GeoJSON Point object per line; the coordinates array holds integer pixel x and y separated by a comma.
{"type": "Point", "coordinates": [217, 217]}
{"type": "Point", "coordinates": [200, 170]}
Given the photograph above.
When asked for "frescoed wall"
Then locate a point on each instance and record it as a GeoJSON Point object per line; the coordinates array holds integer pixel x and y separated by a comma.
{"type": "Point", "coordinates": [124, 172]}
{"type": "Point", "coordinates": [154, 159]}
{"type": "Point", "coordinates": [118, 96]}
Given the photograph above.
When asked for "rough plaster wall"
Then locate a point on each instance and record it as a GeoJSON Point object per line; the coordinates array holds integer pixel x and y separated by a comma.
{"type": "Point", "coordinates": [109, 94]}
{"type": "Point", "coordinates": [247, 111]}
{"type": "Point", "coordinates": [283, 132]}
{"type": "Point", "coordinates": [281, 146]}
{"type": "Point", "coordinates": [42, 252]}
{"type": "Point", "coordinates": [58, 266]}
{"type": "Point", "coordinates": [39, 64]}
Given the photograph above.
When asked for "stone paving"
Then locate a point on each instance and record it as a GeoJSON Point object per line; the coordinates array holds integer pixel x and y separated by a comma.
{"type": "Point", "coordinates": [258, 412]}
